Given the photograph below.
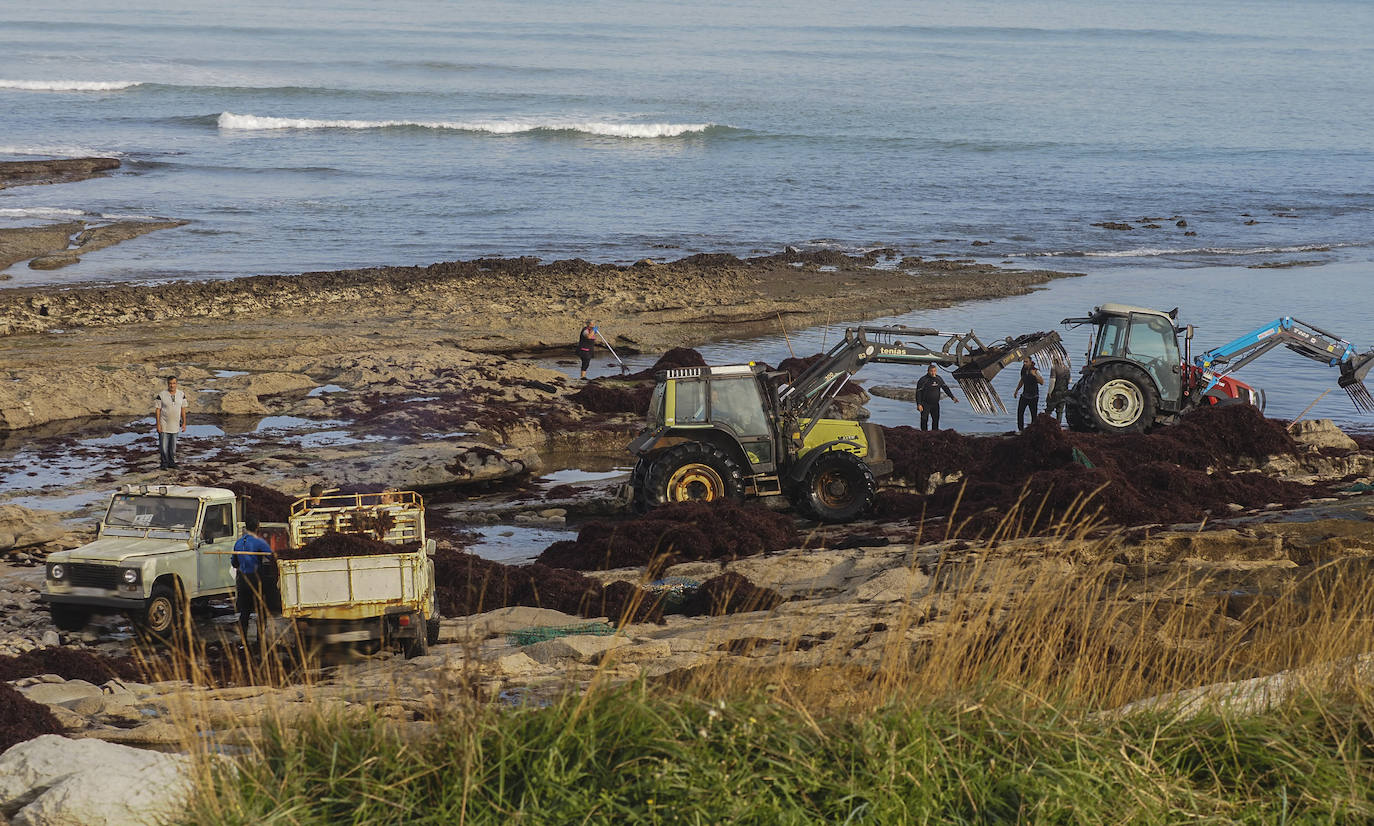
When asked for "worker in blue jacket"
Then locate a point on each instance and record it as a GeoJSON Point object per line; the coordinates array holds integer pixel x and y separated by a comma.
{"type": "Point", "coordinates": [250, 552]}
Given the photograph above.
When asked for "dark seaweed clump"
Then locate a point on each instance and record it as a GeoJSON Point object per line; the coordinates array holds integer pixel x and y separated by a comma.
{"type": "Point", "coordinates": [69, 664]}
{"type": "Point", "coordinates": [345, 544]}
{"type": "Point", "coordinates": [729, 593]}
{"type": "Point", "coordinates": [467, 584]}
{"type": "Point", "coordinates": [1175, 474]}
{"type": "Point", "coordinates": [22, 719]}
{"type": "Point", "coordinates": [266, 504]}
{"type": "Point", "coordinates": [602, 397]}
{"type": "Point", "coordinates": [680, 532]}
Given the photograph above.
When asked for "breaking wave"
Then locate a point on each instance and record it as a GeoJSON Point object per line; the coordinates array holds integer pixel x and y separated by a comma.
{"type": "Point", "coordinates": [68, 85]}
{"type": "Point", "coordinates": [229, 120]}
{"type": "Point", "coordinates": [1153, 252]}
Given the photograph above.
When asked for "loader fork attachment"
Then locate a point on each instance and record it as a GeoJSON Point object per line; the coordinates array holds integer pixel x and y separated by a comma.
{"type": "Point", "coordinates": [982, 363]}
{"type": "Point", "coordinates": [1352, 378]}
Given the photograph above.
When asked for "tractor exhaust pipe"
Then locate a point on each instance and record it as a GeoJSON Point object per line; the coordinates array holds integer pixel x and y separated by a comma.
{"type": "Point", "coordinates": [1353, 373]}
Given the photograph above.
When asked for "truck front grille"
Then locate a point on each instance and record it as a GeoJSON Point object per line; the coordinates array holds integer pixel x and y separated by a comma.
{"type": "Point", "coordinates": [93, 576]}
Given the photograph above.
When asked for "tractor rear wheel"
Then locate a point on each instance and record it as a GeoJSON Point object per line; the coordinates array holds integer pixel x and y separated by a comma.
{"type": "Point", "coordinates": [1119, 398]}
{"type": "Point", "coordinates": [838, 487]}
{"type": "Point", "coordinates": [691, 472]}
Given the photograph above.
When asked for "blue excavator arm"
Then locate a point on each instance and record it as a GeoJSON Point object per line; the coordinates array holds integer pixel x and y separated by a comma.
{"type": "Point", "coordinates": [1302, 338]}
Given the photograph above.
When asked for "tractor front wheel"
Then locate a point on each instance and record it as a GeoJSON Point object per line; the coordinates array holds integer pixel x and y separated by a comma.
{"type": "Point", "coordinates": [691, 472]}
{"type": "Point", "coordinates": [838, 487]}
{"type": "Point", "coordinates": [1119, 399]}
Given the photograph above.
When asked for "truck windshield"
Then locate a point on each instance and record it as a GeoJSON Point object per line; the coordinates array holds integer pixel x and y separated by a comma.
{"type": "Point", "coordinates": [128, 510]}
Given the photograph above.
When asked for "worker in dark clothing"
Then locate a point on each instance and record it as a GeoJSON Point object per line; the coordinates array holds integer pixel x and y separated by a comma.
{"type": "Point", "coordinates": [928, 390]}
{"type": "Point", "coordinates": [586, 343]}
{"type": "Point", "coordinates": [1028, 388]}
{"type": "Point", "coordinates": [250, 552]}
{"type": "Point", "coordinates": [1059, 389]}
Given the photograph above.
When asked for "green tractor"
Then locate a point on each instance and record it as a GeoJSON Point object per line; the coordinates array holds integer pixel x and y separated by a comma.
{"type": "Point", "coordinates": [738, 431]}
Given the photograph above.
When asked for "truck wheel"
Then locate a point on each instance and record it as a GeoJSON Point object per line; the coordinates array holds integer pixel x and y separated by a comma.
{"type": "Point", "coordinates": [162, 614]}
{"type": "Point", "coordinates": [1119, 399]}
{"type": "Point", "coordinates": [838, 487]}
{"type": "Point", "coordinates": [692, 472]}
{"type": "Point", "coordinates": [69, 617]}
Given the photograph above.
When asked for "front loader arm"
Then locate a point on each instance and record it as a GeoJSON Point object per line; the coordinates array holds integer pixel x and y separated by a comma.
{"type": "Point", "coordinates": [810, 394]}
{"type": "Point", "coordinates": [1304, 339]}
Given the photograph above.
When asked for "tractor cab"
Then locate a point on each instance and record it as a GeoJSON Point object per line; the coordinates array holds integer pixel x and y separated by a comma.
{"type": "Point", "coordinates": [1144, 337]}
{"type": "Point", "coordinates": [734, 400]}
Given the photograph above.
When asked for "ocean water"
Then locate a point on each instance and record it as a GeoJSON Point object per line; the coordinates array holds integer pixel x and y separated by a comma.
{"type": "Point", "coordinates": [327, 133]}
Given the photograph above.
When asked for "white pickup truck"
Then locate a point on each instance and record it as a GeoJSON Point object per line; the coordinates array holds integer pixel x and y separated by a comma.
{"type": "Point", "coordinates": [382, 598]}
{"type": "Point", "coordinates": [160, 549]}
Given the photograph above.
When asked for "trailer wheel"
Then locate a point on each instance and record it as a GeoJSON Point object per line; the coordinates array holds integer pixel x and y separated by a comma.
{"type": "Point", "coordinates": [418, 646]}
{"type": "Point", "coordinates": [1119, 399]}
{"type": "Point", "coordinates": [691, 472]}
{"type": "Point", "coordinates": [162, 615]}
{"type": "Point", "coordinates": [69, 617]}
{"type": "Point", "coordinates": [432, 630]}
{"type": "Point", "coordinates": [838, 487]}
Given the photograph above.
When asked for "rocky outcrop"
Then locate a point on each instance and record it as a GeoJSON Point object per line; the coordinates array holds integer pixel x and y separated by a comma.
{"type": "Point", "coordinates": [54, 781]}
{"type": "Point", "coordinates": [22, 528]}
{"type": "Point", "coordinates": [58, 171]}
{"type": "Point", "coordinates": [94, 238]}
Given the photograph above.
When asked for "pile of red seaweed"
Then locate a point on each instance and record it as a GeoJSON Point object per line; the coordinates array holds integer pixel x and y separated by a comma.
{"type": "Point", "coordinates": [22, 719]}
{"type": "Point", "coordinates": [729, 593]}
{"type": "Point", "coordinates": [69, 664]}
{"type": "Point", "coordinates": [681, 532]}
{"type": "Point", "coordinates": [266, 504]}
{"type": "Point", "coordinates": [345, 544]}
{"type": "Point", "coordinates": [1176, 474]}
{"type": "Point", "coordinates": [467, 584]}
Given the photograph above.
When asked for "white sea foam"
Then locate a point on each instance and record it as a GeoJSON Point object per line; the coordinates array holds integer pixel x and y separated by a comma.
{"type": "Point", "coordinates": [1154, 252]}
{"type": "Point", "coordinates": [229, 120]}
{"type": "Point", "coordinates": [58, 151]}
{"type": "Point", "coordinates": [39, 212]}
{"type": "Point", "coordinates": [69, 85]}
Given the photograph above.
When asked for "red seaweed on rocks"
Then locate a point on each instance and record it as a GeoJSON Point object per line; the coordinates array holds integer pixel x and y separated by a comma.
{"type": "Point", "coordinates": [729, 593]}
{"type": "Point", "coordinates": [675, 358]}
{"type": "Point", "coordinates": [1175, 474]}
{"type": "Point", "coordinates": [69, 664]}
{"type": "Point", "coordinates": [345, 544]}
{"type": "Point", "coordinates": [675, 533]}
{"type": "Point", "coordinates": [600, 397]}
{"type": "Point", "coordinates": [468, 584]}
{"type": "Point", "coordinates": [22, 719]}
{"type": "Point", "coordinates": [266, 504]}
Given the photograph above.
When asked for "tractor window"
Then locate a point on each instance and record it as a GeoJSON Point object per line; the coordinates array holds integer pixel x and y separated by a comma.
{"type": "Point", "coordinates": [656, 405]}
{"type": "Point", "coordinates": [736, 403]}
{"type": "Point", "coordinates": [689, 404]}
{"type": "Point", "coordinates": [1111, 337]}
{"type": "Point", "coordinates": [1152, 338]}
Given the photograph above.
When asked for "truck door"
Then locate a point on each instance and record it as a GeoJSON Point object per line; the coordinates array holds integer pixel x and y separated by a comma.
{"type": "Point", "coordinates": [217, 542]}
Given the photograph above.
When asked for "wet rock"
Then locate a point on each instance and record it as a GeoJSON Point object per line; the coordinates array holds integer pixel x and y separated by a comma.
{"type": "Point", "coordinates": [1116, 225]}
{"type": "Point", "coordinates": [61, 694]}
{"type": "Point", "coordinates": [579, 648]}
{"type": "Point", "coordinates": [54, 781]}
{"type": "Point", "coordinates": [240, 402]}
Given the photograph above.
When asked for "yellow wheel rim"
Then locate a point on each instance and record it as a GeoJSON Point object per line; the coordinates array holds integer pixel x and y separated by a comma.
{"type": "Point", "coordinates": [695, 482]}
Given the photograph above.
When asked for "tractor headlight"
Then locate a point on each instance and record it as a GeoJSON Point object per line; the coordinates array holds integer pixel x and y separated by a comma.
{"type": "Point", "coordinates": [56, 570]}
{"type": "Point", "coordinates": [131, 576]}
